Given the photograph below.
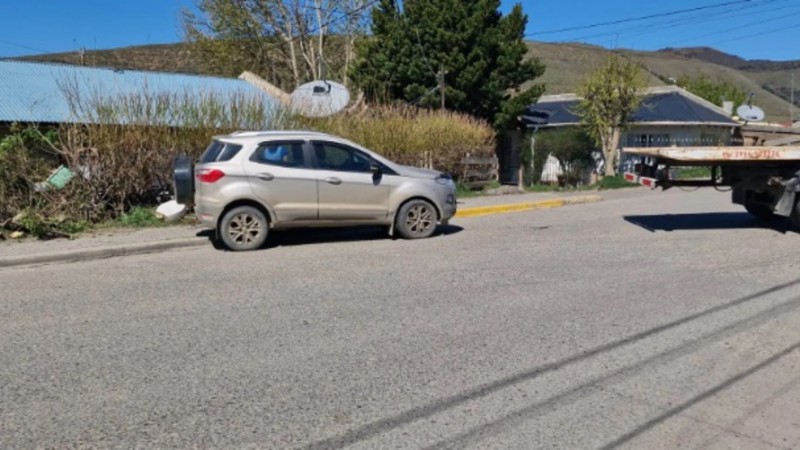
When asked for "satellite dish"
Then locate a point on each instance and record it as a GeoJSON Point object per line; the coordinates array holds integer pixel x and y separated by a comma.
{"type": "Point", "coordinates": [319, 98]}
{"type": "Point", "coordinates": [750, 113]}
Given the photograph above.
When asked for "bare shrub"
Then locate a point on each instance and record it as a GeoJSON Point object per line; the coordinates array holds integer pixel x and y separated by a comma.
{"type": "Point", "coordinates": [123, 145]}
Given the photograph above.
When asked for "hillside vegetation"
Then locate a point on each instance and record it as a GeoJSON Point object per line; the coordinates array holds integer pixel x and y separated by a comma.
{"type": "Point", "coordinates": [568, 65]}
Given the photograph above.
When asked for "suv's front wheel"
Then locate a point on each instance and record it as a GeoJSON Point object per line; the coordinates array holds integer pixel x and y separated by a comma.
{"type": "Point", "coordinates": [244, 228]}
{"type": "Point", "coordinates": [416, 219]}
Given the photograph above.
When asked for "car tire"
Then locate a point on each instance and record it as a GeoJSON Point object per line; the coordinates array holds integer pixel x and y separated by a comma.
{"type": "Point", "coordinates": [762, 212]}
{"type": "Point", "coordinates": [183, 180]}
{"type": "Point", "coordinates": [416, 219]}
{"type": "Point", "coordinates": [794, 217]}
{"type": "Point", "coordinates": [244, 228]}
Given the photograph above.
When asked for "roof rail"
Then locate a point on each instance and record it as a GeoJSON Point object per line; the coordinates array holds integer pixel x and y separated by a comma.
{"type": "Point", "coordinates": [274, 133]}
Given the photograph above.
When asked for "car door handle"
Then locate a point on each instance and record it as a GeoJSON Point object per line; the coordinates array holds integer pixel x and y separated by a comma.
{"type": "Point", "coordinates": [333, 180]}
{"type": "Point", "coordinates": [265, 176]}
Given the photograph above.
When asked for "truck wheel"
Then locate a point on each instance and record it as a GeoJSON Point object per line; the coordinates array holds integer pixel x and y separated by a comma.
{"type": "Point", "coordinates": [244, 228]}
{"type": "Point", "coordinates": [762, 212]}
{"type": "Point", "coordinates": [794, 217]}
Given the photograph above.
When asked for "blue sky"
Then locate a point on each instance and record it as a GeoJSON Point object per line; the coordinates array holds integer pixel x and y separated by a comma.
{"type": "Point", "coordinates": [753, 29]}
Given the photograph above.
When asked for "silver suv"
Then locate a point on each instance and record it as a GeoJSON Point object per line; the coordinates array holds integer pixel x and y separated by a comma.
{"type": "Point", "coordinates": [247, 183]}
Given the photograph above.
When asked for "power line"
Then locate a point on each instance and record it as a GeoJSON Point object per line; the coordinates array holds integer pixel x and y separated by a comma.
{"type": "Point", "coordinates": [776, 30]}
{"type": "Point", "coordinates": [14, 44]}
{"type": "Point", "coordinates": [678, 22]}
{"type": "Point", "coordinates": [639, 18]}
{"type": "Point", "coordinates": [735, 30]}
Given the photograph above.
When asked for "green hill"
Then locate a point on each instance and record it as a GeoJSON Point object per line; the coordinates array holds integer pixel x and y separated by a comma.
{"type": "Point", "coordinates": [569, 64]}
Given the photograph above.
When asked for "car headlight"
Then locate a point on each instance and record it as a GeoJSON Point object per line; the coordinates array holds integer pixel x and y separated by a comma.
{"type": "Point", "coordinates": [444, 179]}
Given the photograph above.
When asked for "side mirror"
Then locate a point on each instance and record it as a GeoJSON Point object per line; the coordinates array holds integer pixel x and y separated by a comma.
{"type": "Point", "coordinates": [377, 172]}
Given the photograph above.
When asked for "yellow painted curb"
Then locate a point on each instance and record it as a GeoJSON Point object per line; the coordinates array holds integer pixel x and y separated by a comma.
{"type": "Point", "coordinates": [527, 206]}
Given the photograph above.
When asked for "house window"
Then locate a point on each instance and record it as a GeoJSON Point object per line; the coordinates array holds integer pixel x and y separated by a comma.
{"type": "Point", "coordinates": [710, 140]}
{"type": "Point", "coordinates": [648, 140]}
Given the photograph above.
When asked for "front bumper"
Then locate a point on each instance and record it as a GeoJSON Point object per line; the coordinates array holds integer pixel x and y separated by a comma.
{"type": "Point", "coordinates": [449, 207]}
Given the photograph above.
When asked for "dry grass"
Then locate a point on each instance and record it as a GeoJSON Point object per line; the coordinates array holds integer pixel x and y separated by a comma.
{"type": "Point", "coordinates": [412, 136]}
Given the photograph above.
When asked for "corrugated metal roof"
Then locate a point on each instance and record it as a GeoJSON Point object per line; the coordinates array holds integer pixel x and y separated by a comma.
{"type": "Point", "coordinates": [663, 105]}
{"type": "Point", "coordinates": [34, 92]}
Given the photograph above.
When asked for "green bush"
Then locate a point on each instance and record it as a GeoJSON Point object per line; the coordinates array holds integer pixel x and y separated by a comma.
{"type": "Point", "coordinates": [572, 147]}
{"type": "Point", "coordinates": [27, 157]}
{"type": "Point", "coordinates": [41, 223]}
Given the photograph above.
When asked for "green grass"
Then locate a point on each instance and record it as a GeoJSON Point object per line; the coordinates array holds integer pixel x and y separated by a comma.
{"type": "Point", "coordinates": [615, 182]}
{"type": "Point", "coordinates": [693, 172]}
{"type": "Point", "coordinates": [465, 192]}
{"type": "Point", "coordinates": [139, 217]}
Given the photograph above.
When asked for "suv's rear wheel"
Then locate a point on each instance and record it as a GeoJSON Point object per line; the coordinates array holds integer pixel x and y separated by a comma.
{"type": "Point", "coordinates": [416, 219]}
{"type": "Point", "coordinates": [244, 228]}
{"type": "Point", "coordinates": [183, 180]}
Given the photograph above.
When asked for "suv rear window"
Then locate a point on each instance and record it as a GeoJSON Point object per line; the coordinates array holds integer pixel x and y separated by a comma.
{"type": "Point", "coordinates": [219, 151]}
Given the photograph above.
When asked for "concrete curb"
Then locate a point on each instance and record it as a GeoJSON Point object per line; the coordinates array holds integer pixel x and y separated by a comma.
{"type": "Point", "coordinates": [102, 252]}
{"type": "Point", "coordinates": [154, 247]}
{"type": "Point", "coordinates": [527, 206]}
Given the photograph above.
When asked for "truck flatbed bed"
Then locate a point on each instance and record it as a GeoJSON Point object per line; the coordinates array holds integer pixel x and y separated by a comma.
{"type": "Point", "coordinates": [717, 154]}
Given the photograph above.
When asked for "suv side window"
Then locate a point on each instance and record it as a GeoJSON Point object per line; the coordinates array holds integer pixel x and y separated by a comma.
{"type": "Point", "coordinates": [339, 157]}
{"type": "Point", "coordinates": [284, 154]}
{"type": "Point", "coordinates": [219, 151]}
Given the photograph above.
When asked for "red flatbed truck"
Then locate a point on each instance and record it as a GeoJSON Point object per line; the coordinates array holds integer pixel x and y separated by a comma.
{"type": "Point", "coordinates": [765, 180]}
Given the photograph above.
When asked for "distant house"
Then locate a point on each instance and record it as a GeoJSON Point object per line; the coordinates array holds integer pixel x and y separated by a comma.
{"type": "Point", "coordinates": [40, 93]}
{"type": "Point", "coordinates": [667, 116]}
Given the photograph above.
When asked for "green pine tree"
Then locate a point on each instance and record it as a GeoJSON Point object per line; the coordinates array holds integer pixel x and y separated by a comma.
{"type": "Point", "coordinates": [481, 52]}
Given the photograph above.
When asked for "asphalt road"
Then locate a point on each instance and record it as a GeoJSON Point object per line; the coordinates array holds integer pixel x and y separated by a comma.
{"type": "Point", "coordinates": [651, 320]}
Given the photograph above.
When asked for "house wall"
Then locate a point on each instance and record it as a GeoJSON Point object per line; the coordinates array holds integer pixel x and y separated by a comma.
{"type": "Point", "coordinates": [681, 136]}
{"type": "Point", "coordinates": [650, 136]}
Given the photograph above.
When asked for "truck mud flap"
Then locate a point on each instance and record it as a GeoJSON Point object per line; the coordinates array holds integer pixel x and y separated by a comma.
{"type": "Point", "coordinates": [788, 200]}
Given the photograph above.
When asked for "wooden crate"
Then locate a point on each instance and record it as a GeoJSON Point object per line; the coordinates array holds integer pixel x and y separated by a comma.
{"type": "Point", "coordinates": [479, 171]}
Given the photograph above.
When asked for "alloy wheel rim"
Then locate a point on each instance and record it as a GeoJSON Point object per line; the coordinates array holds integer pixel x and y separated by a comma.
{"type": "Point", "coordinates": [419, 219]}
{"type": "Point", "coordinates": [244, 229]}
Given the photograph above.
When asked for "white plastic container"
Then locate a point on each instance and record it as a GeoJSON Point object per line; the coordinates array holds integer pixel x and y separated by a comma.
{"type": "Point", "coordinates": [171, 211]}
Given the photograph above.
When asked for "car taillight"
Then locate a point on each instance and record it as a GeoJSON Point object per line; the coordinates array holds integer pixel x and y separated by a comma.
{"type": "Point", "coordinates": [209, 175]}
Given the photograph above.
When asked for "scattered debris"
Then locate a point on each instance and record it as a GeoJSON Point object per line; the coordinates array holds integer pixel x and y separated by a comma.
{"type": "Point", "coordinates": [170, 211]}
{"type": "Point", "coordinates": [504, 190]}
{"type": "Point", "coordinates": [58, 180]}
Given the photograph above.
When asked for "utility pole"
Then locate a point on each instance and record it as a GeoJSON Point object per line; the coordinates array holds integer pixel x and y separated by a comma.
{"type": "Point", "coordinates": [791, 107]}
{"type": "Point", "coordinates": [441, 84]}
